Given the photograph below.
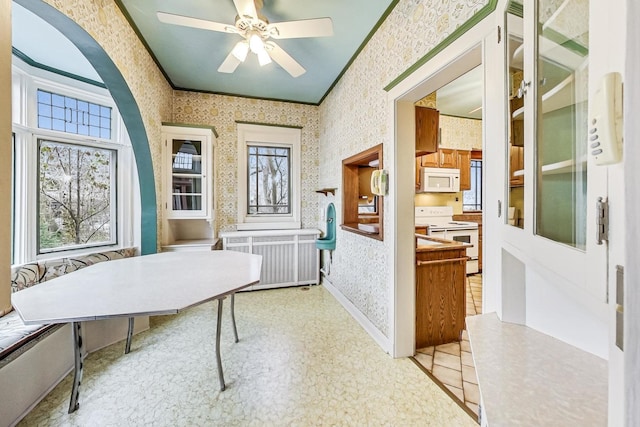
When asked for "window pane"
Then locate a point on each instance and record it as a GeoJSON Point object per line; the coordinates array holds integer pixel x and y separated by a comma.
{"type": "Point", "coordinates": [44, 97]}
{"type": "Point", "coordinates": [57, 100]}
{"type": "Point", "coordinates": [75, 192]}
{"type": "Point", "coordinates": [268, 180]}
{"type": "Point", "coordinates": [78, 115]}
{"type": "Point", "coordinates": [44, 110]}
{"type": "Point", "coordinates": [58, 113]}
{"type": "Point", "coordinates": [58, 125]}
{"type": "Point", "coordinates": [44, 122]}
{"type": "Point", "coordinates": [472, 199]}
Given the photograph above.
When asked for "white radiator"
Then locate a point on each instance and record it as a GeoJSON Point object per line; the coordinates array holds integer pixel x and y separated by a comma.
{"type": "Point", "coordinates": [289, 257]}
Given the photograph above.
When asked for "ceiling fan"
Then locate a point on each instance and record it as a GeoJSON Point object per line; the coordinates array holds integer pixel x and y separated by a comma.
{"type": "Point", "coordinates": [256, 31]}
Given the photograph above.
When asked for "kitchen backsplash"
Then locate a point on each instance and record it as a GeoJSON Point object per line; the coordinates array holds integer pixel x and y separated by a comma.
{"type": "Point", "coordinates": [440, 199]}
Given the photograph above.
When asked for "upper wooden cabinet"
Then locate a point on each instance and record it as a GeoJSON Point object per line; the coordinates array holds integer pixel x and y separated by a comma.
{"type": "Point", "coordinates": [430, 160]}
{"type": "Point", "coordinates": [427, 125]}
{"type": "Point", "coordinates": [447, 158]}
{"type": "Point", "coordinates": [464, 163]}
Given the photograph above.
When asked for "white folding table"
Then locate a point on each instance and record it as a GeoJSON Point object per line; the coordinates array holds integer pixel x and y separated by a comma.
{"type": "Point", "coordinates": [164, 283]}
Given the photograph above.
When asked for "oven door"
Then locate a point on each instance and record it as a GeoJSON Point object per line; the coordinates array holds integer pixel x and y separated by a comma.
{"type": "Point", "coordinates": [467, 236]}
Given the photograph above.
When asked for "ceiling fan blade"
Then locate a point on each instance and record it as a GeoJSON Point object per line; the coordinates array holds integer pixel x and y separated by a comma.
{"type": "Point", "coordinates": [320, 27]}
{"type": "Point", "coordinates": [285, 60]}
{"type": "Point", "coordinates": [246, 8]}
{"type": "Point", "coordinates": [229, 65]}
{"type": "Point", "coordinates": [186, 21]}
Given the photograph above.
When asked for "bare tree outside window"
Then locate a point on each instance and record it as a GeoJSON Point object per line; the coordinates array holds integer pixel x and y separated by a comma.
{"type": "Point", "coordinates": [75, 191]}
{"type": "Point", "coordinates": [268, 176]}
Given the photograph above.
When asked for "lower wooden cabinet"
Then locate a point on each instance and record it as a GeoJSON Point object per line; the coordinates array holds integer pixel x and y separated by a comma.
{"type": "Point", "coordinates": [440, 296]}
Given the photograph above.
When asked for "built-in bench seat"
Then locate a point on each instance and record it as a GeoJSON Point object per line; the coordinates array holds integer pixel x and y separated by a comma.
{"type": "Point", "coordinates": [15, 336]}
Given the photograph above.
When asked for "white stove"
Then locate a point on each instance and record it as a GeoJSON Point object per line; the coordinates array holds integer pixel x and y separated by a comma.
{"type": "Point", "coordinates": [440, 223]}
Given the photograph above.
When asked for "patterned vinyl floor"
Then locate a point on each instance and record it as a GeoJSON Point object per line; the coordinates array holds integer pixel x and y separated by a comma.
{"type": "Point", "coordinates": [302, 360]}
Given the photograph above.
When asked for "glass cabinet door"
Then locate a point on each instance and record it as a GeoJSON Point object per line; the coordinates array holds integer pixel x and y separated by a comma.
{"type": "Point", "coordinates": [186, 175]}
{"type": "Point", "coordinates": [561, 120]}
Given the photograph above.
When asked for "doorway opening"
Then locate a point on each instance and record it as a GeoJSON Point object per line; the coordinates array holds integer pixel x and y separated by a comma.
{"type": "Point", "coordinates": [448, 142]}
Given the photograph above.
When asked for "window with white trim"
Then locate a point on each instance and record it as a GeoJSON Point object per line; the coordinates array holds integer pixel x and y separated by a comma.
{"type": "Point", "coordinates": [74, 169]}
{"type": "Point", "coordinates": [76, 191]}
{"type": "Point", "coordinates": [269, 171]}
{"type": "Point", "coordinates": [472, 198]}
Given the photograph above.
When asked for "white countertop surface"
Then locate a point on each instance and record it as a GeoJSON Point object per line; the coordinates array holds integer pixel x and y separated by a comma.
{"type": "Point", "coordinates": [162, 283]}
{"type": "Point", "coordinates": [528, 378]}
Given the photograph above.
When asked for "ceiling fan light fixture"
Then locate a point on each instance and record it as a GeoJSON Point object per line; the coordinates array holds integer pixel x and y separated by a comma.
{"type": "Point", "coordinates": [240, 50]}
{"type": "Point", "coordinates": [256, 44]}
{"type": "Point", "coordinates": [263, 58]}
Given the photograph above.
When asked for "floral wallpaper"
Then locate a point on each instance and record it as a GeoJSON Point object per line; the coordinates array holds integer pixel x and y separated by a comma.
{"type": "Point", "coordinates": [102, 19]}
{"type": "Point", "coordinates": [460, 133]}
{"type": "Point", "coordinates": [223, 112]}
{"type": "Point", "coordinates": [353, 118]}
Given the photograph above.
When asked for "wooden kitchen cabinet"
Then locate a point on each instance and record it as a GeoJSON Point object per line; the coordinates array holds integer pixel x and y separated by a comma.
{"type": "Point", "coordinates": [431, 160]}
{"type": "Point", "coordinates": [448, 158]}
{"type": "Point", "coordinates": [440, 295]}
{"type": "Point", "coordinates": [427, 125]}
{"type": "Point", "coordinates": [464, 163]}
{"type": "Point", "coordinates": [516, 163]}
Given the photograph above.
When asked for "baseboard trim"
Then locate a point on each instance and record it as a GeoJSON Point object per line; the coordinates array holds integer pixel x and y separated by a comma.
{"type": "Point", "coordinates": [366, 324]}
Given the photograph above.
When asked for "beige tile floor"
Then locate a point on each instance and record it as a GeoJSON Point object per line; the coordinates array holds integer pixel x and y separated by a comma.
{"type": "Point", "coordinates": [452, 364]}
{"type": "Point", "coordinates": [302, 360]}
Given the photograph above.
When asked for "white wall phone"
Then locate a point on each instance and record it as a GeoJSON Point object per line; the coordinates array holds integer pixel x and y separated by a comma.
{"type": "Point", "coordinates": [379, 182]}
{"type": "Point", "coordinates": [605, 121]}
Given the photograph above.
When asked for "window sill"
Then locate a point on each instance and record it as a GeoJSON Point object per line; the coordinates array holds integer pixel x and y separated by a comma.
{"type": "Point", "coordinates": [268, 226]}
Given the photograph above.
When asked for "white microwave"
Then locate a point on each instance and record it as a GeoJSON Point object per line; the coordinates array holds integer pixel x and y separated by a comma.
{"type": "Point", "coordinates": [439, 180]}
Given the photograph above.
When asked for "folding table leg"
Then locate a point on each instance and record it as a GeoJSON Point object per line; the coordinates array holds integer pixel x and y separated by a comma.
{"type": "Point", "coordinates": [218, 358]}
{"type": "Point", "coordinates": [233, 316]}
{"type": "Point", "coordinates": [78, 347]}
{"type": "Point", "coordinates": [127, 347]}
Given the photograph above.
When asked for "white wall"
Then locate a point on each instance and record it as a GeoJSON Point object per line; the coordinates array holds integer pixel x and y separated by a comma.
{"type": "Point", "coordinates": [631, 369]}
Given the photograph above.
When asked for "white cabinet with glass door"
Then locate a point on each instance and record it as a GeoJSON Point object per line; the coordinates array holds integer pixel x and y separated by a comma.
{"type": "Point", "coordinates": [550, 78]}
{"type": "Point", "coordinates": [188, 171]}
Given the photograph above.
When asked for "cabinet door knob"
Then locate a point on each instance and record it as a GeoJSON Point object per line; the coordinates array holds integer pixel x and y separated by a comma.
{"type": "Point", "coordinates": [523, 88]}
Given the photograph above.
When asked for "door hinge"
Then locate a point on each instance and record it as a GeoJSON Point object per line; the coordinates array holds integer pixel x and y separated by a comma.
{"type": "Point", "coordinates": [499, 34]}
{"type": "Point", "coordinates": [602, 220]}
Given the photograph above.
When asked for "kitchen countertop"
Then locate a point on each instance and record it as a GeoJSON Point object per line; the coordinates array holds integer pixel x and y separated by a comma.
{"type": "Point", "coordinates": [529, 378]}
{"type": "Point", "coordinates": [438, 244]}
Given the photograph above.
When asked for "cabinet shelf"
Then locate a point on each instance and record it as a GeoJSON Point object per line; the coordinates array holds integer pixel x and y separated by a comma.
{"type": "Point", "coordinates": [326, 191]}
{"type": "Point", "coordinates": [555, 98]}
{"type": "Point", "coordinates": [564, 166]}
